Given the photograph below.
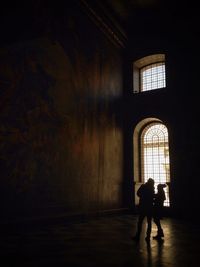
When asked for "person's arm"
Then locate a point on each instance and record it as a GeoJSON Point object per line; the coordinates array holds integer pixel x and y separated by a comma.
{"type": "Point", "coordinates": [139, 192]}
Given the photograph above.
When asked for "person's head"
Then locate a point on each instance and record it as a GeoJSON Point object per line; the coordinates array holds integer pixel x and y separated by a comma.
{"type": "Point", "coordinates": [161, 186]}
{"type": "Point", "coordinates": [150, 181]}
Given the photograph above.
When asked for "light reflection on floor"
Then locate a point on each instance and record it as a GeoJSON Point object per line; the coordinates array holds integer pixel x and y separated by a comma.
{"type": "Point", "coordinates": [105, 241]}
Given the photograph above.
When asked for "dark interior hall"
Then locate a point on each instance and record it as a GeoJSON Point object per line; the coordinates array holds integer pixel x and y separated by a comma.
{"type": "Point", "coordinates": [72, 115]}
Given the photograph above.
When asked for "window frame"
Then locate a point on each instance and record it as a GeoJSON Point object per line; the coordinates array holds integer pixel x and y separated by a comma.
{"type": "Point", "coordinates": [142, 63]}
{"type": "Point", "coordinates": [141, 71]}
{"type": "Point", "coordinates": [141, 147]}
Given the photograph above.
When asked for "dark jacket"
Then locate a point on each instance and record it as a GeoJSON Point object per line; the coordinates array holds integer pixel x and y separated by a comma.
{"type": "Point", "coordinates": [158, 203]}
{"type": "Point", "coordinates": [146, 195]}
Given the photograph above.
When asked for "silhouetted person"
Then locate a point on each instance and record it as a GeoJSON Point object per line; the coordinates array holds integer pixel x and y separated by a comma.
{"type": "Point", "coordinates": [159, 199]}
{"type": "Point", "coordinates": [146, 195]}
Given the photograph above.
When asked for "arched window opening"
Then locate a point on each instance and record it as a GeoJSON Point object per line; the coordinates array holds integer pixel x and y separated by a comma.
{"type": "Point", "coordinates": [154, 155]}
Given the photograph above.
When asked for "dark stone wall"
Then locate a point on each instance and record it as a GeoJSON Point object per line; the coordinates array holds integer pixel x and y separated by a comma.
{"type": "Point", "coordinates": [177, 105]}
{"type": "Point", "coordinates": [61, 147]}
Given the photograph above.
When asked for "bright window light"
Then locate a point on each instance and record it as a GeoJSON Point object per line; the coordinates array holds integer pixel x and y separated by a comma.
{"type": "Point", "coordinates": [153, 76]}
{"type": "Point", "coordinates": [155, 155]}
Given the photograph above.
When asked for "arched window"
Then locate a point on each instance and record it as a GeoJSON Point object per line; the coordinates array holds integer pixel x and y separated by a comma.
{"type": "Point", "coordinates": [149, 73]}
{"type": "Point", "coordinates": [152, 155]}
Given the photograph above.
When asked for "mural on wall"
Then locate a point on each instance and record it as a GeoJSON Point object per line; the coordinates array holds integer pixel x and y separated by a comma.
{"type": "Point", "coordinates": [29, 122]}
{"type": "Point", "coordinates": [59, 125]}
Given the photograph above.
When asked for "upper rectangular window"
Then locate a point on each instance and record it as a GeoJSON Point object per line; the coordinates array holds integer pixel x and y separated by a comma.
{"type": "Point", "coordinates": [152, 77]}
{"type": "Point", "coordinates": [149, 73]}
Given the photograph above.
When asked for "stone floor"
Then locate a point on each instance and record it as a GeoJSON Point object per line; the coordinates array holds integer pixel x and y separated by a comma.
{"type": "Point", "coordinates": [104, 241]}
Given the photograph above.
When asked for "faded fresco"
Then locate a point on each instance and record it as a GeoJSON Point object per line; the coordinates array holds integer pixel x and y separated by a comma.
{"type": "Point", "coordinates": [60, 132]}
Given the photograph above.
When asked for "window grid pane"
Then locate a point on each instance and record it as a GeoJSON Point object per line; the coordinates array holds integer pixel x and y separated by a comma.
{"type": "Point", "coordinates": [155, 155]}
{"type": "Point", "coordinates": [153, 76]}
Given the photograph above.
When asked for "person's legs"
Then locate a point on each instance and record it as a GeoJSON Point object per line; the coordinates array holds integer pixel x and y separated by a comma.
{"type": "Point", "coordinates": [139, 227]}
{"type": "Point", "coordinates": [149, 224]}
{"type": "Point", "coordinates": [160, 230]}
